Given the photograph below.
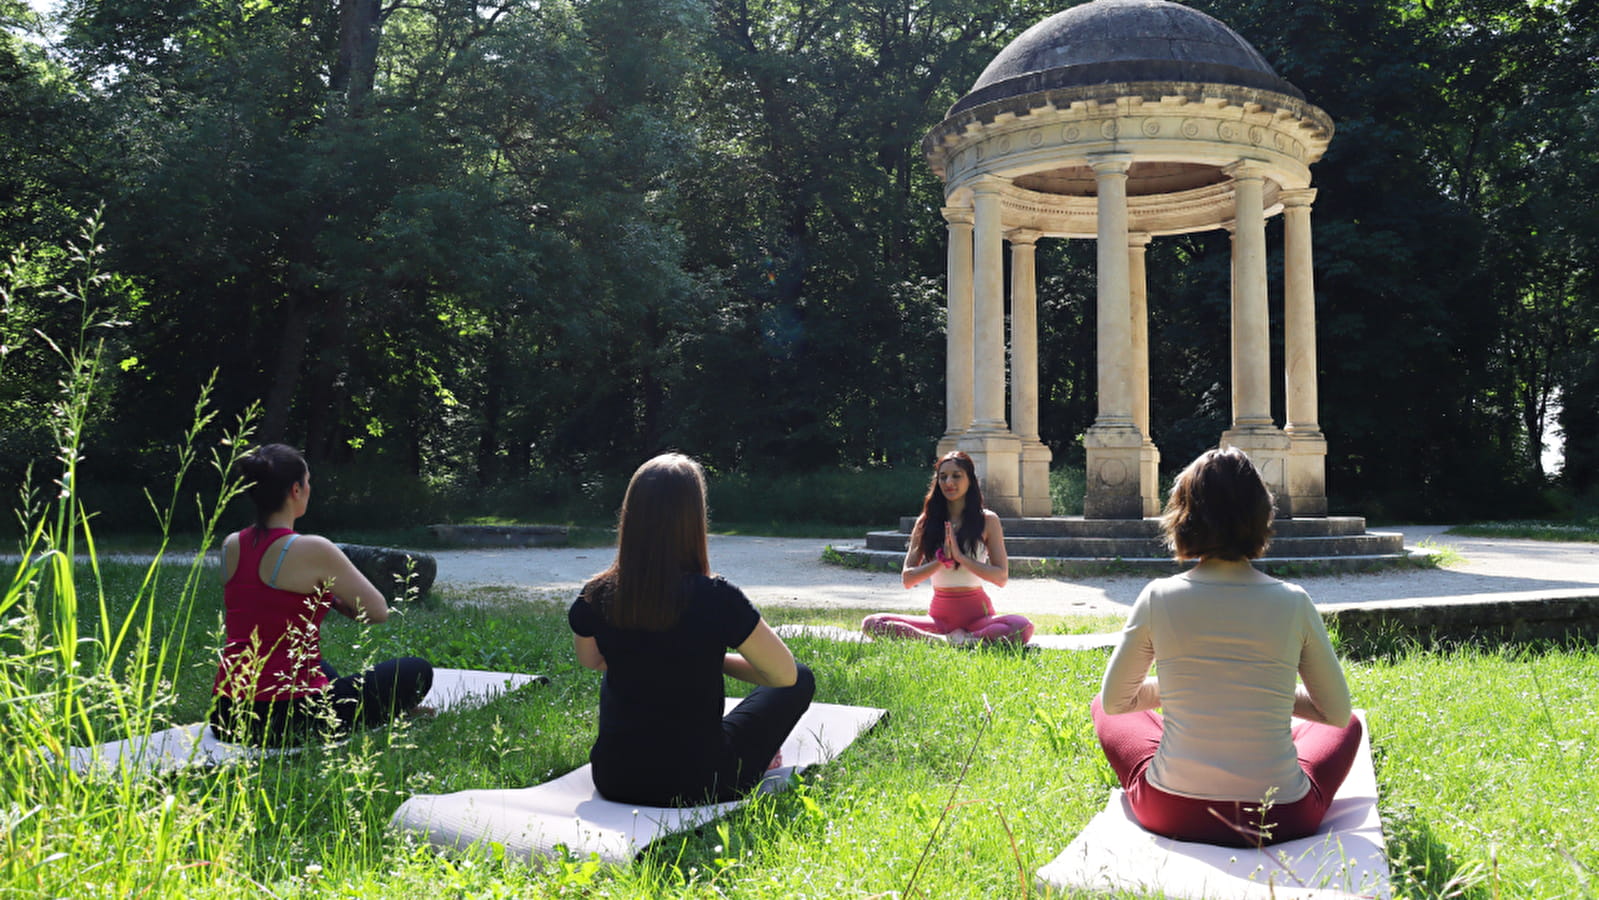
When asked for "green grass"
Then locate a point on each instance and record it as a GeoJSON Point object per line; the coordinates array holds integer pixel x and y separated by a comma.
{"type": "Point", "coordinates": [1482, 758]}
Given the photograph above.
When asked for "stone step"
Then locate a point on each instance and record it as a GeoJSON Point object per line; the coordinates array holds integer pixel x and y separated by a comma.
{"type": "Point", "coordinates": [1284, 566]}
{"type": "Point", "coordinates": [1077, 526]}
{"type": "Point", "coordinates": [1369, 544]}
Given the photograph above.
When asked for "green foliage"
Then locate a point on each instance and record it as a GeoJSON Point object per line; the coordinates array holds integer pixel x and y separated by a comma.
{"type": "Point", "coordinates": [501, 250]}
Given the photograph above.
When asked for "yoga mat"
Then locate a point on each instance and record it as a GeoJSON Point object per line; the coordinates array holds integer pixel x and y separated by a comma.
{"type": "Point", "coordinates": [568, 811]}
{"type": "Point", "coordinates": [1344, 859]}
{"type": "Point", "coordinates": [196, 745]}
{"type": "Point", "coordinates": [824, 632]}
{"type": "Point", "coordinates": [1074, 641]}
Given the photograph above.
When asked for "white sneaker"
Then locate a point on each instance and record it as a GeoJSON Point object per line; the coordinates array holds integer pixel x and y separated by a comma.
{"type": "Point", "coordinates": [960, 637]}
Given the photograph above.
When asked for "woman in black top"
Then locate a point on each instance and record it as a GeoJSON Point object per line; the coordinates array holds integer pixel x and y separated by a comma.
{"type": "Point", "coordinates": [658, 624]}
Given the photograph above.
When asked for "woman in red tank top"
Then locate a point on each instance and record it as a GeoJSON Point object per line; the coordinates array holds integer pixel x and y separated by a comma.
{"type": "Point", "coordinates": [272, 684]}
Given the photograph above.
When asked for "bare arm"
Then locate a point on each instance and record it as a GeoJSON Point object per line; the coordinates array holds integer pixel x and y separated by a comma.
{"type": "Point", "coordinates": [588, 652]}
{"type": "Point", "coordinates": [230, 556]}
{"type": "Point", "coordinates": [917, 569]}
{"type": "Point", "coordinates": [762, 659]}
{"type": "Point", "coordinates": [997, 570]}
{"type": "Point", "coordinates": [316, 563]}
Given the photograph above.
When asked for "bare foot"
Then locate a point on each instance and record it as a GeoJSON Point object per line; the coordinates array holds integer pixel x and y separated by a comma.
{"type": "Point", "coordinates": [776, 761]}
{"type": "Point", "coordinates": [960, 637]}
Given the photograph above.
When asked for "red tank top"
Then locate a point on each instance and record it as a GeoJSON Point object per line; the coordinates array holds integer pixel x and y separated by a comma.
{"type": "Point", "coordinates": [274, 647]}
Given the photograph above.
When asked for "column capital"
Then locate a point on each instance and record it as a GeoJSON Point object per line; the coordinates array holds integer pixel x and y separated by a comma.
{"type": "Point", "coordinates": [957, 215]}
{"type": "Point", "coordinates": [1110, 163]}
{"type": "Point", "coordinates": [1246, 170]}
{"type": "Point", "coordinates": [1297, 198]}
{"type": "Point", "coordinates": [1023, 236]}
{"type": "Point", "coordinates": [989, 184]}
{"type": "Point", "coordinates": [1138, 240]}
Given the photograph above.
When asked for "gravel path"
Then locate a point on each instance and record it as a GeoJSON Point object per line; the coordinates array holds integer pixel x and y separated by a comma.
{"type": "Point", "coordinates": [789, 572]}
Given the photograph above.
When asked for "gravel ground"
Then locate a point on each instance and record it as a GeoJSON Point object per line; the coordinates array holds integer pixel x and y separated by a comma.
{"type": "Point", "coordinates": [788, 572]}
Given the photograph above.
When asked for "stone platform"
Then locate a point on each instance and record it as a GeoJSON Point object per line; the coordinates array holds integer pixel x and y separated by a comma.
{"type": "Point", "coordinates": [1066, 544]}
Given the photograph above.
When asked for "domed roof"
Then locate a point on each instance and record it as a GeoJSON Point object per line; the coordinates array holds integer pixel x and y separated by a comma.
{"type": "Point", "coordinates": [1119, 41]}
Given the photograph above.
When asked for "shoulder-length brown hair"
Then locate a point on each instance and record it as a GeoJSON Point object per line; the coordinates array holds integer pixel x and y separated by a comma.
{"type": "Point", "coordinates": [1219, 507]}
{"type": "Point", "coordinates": [660, 537]}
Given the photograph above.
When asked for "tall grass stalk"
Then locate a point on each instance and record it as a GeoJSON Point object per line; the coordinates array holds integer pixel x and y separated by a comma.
{"type": "Point", "coordinates": [79, 665]}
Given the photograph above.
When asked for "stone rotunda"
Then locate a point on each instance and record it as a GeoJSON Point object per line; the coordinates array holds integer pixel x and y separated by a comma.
{"type": "Point", "coordinates": [1121, 122]}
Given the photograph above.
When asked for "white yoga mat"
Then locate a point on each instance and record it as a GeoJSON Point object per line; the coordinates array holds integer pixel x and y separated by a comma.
{"type": "Point", "coordinates": [196, 744]}
{"type": "Point", "coordinates": [1074, 641]}
{"type": "Point", "coordinates": [1038, 642]}
{"type": "Point", "coordinates": [569, 811]}
{"type": "Point", "coordinates": [1344, 859]}
{"type": "Point", "coordinates": [824, 632]}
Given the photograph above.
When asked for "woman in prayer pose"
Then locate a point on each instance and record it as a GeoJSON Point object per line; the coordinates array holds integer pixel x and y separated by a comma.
{"type": "Point", "coordinates": [658, 623]}
{"type": "Point", "coordinates": [959, 545]}
{"type": "Point", "coordinates": [272, 684]}
{"type": "Point", "coordinates": [1224, 762]}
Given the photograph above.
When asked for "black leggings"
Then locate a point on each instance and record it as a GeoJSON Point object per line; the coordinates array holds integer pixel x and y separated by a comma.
{"type": "Point", "coordinates": [374, 697]}
{"type": "Point", "coordinates": [752, 734]}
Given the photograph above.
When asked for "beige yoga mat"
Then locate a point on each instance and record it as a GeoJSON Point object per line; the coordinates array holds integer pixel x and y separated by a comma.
{"type": "Point", "coordinates": [196, 745]}
{"type": "Point", "coordinates": [1345, 859]}
{"type": "Point", "coordinates": [569, 812]}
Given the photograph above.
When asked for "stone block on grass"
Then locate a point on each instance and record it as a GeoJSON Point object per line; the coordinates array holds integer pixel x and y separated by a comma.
{"type": "Point", "coordinates": [387, 568]}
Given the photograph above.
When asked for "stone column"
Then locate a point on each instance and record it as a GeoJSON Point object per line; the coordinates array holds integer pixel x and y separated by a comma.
{"type": "Point", "coordinates": [1113, 443]}
{"type": "Point", "coordinates": [989, 441]}
{"type": "Point", "coordinates": [1253, 430]}
{"type": "Point", "coordinates": [1232, 321]}
{"type": "Point", "coordinates": [1148, 455]}
{"type": "Point", "coordinates": [1035, 457]}
{"type": "Point", "coordinates": [958, 364]}
{"type": "Point", "coordinates": [1306, 493]}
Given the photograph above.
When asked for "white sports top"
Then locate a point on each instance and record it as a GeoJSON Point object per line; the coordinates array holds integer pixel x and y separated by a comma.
{"type": "Point", "coordinates": [960, 576]}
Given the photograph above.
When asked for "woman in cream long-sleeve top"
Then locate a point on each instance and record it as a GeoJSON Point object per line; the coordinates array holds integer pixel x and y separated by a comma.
{"type": "Point", "coordinates": [1223, 762]}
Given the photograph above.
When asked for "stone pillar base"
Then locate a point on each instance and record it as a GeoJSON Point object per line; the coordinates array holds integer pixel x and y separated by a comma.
{"type": "Point", "coordinates": [1307, 476]}
{"type": "Point", "coordinates": [997, 455]}
{"type": "Point", "coordinates": [1114, 473]}
{"type": "Point", "coordinates": [1268, 448]}
{"type": "Point", "coordinates": [1149, 478]}
{"type": "Point", "coordinates": [950, 441]}
{"type": "Point", "coordinates": [1035, 479]}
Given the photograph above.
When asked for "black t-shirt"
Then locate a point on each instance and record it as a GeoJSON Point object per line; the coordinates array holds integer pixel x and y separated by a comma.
{"type": "Point", "coordinates": [662, 695]}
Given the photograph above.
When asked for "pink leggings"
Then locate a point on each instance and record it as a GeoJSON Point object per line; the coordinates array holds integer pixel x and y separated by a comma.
{"type": "Point", "coordinates": [1325, 754]}
{"type": "Point", "coordinates": [970, 610]}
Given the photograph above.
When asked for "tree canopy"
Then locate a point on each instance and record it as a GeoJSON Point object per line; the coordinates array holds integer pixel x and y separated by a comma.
{"type": "Point", "coordinates": [484, 241]}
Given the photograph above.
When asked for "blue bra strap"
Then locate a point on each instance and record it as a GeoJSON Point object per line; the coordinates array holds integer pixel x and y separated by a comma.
{"type": "Point", "coordinates": [273, 581]}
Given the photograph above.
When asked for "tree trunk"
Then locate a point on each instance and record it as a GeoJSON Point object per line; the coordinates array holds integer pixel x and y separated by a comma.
{"type": "Point", "coordinates": [355, 71]}
{"type": "Point", "coordinates": [286, 374]}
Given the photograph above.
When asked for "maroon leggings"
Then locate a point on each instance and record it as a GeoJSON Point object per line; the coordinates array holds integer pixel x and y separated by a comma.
{"type": "Point", "coordinates": [970, 610]}
{"type": "Point", "coordinates": [1325, 754]}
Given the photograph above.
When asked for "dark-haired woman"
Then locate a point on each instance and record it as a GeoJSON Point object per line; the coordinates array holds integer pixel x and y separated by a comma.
{"type": "Point", "coordinates": [1224, 763]}
{"type": "Point", "coordinates": [960, 545]}
{"type": "Point", "coordinates": [659, 625]}
{"type": "Point", "coordinates": [272, 685]}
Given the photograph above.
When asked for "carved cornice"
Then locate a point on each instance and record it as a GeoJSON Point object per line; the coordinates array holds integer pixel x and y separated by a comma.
{"type": "Point", "coordinates": [1283, 135]}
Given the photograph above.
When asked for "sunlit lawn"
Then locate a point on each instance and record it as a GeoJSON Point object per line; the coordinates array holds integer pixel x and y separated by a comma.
{"type": "Point", "coordinates": [1482, 758]}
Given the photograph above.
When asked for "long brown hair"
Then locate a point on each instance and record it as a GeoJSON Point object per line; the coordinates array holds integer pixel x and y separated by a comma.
{"type": "Point", "coordinates": [660, 537]}
{"type": "Point", "coordinates": [935, 510]}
